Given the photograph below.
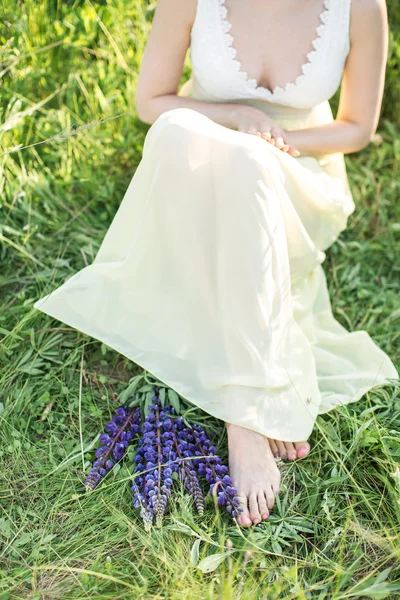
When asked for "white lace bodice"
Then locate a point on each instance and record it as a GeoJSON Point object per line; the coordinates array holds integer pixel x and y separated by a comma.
{"type": "Point", "coordinates": [218, 73]}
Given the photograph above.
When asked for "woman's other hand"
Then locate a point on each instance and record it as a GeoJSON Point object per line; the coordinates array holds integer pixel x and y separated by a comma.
{"type": "Point", "coordinates": [278, 139]}
{"type": "Point", "coordinates": [256, 122]}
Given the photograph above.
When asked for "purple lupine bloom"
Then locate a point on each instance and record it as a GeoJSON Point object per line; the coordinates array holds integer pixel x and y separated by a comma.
{"type": "Point", "coordinates": [114, 442]}
{"type": "Point", "coordinates": [215, 472]}
{"type": "Point", "coordinates": [152, 488]}
{"type": "Point", "coordinates": [211, 467]}
{"type": "Point", "coordinates": [167, 445]}
{"type": "Point", "coordinates": [187, 473]}
{"type": "Point", "coordinates": [185, 450]}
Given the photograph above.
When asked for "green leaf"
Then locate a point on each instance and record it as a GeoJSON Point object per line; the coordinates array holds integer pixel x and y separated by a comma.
{"type": "Point", "coordinates": [186, 422]}
{"type": "Point", "coordinates": [212, 562]}
{"type": "Point", "coordinates": [194, 553]}
{"type": "Point", "coordinates": [375, 587]}
{"type": "Point", "coordinates": [149, 400]}
{"type": "Point", "coordinates": [30, 370]}
{"type": "Point", "coordinates": [182, 528]}
{"type": "Point", "coordinates": [26, 538]}
{"type": "Point", "coordinates": [276, 547]}
{"type": "Point", "coordinates": [5, 528]}
{"type": "Point", "coordinates": [116, 468]}
{"type": "Point", "coordinates": [148, 387]}
{"type": "Point", "coordinates": [293, 502]}
{"type": "Point", "coordinates": [130, 390]}
{"type": "Point", "coordinates": [32, 337]}
{"type": "Point", "coordinates": [134, 402]}
{"type": "Point", "coordinates": [174, 400]}
{"type": "Point", "coordinates": [13, 335]}
{"type": "Point", "coordinates": [25, 358]}
{"type": "Point", "coordinates": [395, 314]}
{"type": "Point", "coordinates": [162, 396]}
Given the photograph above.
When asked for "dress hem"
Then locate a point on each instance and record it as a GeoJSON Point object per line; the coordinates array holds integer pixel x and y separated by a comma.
{"type": "Point", "coordinates": [167, 381]}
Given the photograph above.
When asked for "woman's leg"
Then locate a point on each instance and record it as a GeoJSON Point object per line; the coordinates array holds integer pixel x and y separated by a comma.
{"type": "Point", "coordinates": [247, 278]}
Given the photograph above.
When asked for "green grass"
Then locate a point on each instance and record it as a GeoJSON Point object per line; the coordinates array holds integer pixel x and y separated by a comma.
{"type": "Point", "coordinates": [335, 535]}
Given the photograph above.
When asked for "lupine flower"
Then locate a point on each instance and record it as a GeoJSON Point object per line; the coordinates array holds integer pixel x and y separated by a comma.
{"type": "Point", "coordinates": [187, 472]}
{"type": "Point", "coordinates": [215, 472]}
{"type": "Point", "coordinates": [168, 445]}
{"type": "Point", "coordinates": [114, 442]}
{"type": "Point", "coordinates": [155, 448]}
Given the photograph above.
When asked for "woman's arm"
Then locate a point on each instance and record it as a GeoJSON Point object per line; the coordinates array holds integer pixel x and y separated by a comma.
{"type": "Point", "coordinates": [162, 65]}
{"type": "Point", "coordinates": [362, 87]}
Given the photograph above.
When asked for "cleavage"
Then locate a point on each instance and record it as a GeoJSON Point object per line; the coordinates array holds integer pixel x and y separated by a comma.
{"type": "Point", "coordinates": [272, 44]}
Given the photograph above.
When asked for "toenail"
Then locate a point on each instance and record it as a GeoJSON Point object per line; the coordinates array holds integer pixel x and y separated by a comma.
{"type": "Point", "coordinates": [265, 515]}
{"type": "Point", "coordinates": [293, 456]}
{"type": "Point", "coordinates": [256, 521]}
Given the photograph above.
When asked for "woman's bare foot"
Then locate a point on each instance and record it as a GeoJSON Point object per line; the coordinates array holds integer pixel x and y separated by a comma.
{"type": "Point", "coordinates": [254, 473]}
{"type": "Point", "coordinates": [289, 450]}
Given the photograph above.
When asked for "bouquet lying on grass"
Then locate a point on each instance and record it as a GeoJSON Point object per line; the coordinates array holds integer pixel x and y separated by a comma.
{"type": "Point", "coordinates": [165, 444]}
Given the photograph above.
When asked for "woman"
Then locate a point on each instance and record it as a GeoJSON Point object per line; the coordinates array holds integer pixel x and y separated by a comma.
{"type": "Point", "coordinates": [210, 275]}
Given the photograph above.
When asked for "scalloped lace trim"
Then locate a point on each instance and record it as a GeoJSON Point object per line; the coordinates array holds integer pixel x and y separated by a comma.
{"type": "Point", "coordinates": [305, 67]}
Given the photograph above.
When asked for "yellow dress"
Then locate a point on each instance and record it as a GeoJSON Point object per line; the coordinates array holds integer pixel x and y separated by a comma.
{"type": "Point", "coordinates": [210, 274]}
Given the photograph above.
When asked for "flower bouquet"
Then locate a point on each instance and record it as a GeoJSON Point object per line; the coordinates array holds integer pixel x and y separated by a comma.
{"type": "Point", "coordinates": [165, 443]}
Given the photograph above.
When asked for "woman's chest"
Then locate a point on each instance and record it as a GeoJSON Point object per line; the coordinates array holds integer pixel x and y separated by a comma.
{"type": "Point", "coordinates": [240, 51]}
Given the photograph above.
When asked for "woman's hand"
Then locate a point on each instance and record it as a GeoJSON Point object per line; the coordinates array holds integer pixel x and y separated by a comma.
{"type": "Point", "coordinates": [256, 122]}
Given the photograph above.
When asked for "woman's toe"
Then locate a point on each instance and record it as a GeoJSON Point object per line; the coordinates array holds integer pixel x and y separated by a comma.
{"type": "Point", "coordinates": [245, 520]}
{"type": "Point", "coordinates": [270, 497]}
{"type": "Point", "coordinates": [262, 506]}
{"type": "Point", "coordinates": [274, 447]}
{"type": "Point", "coordinates": [302, 449]}
{"type": "Point", "coordinates": [281, 449]}
{"type": "Point", "coordinates": [291, 451]}
{"type": "Point", "coordinates": [244, 517]}
{"type": "Point", "coordinates": [254, 511]}
{"type": "Point", "coordinates": [275, 483]}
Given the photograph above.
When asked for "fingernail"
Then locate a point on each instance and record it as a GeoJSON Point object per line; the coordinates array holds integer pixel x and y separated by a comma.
{"type": "Point", "coordinates": [279, 141]}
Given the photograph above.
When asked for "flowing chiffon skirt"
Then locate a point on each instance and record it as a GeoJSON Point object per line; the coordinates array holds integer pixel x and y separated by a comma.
{"type": "Point", "coordinates": [210, 276]}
